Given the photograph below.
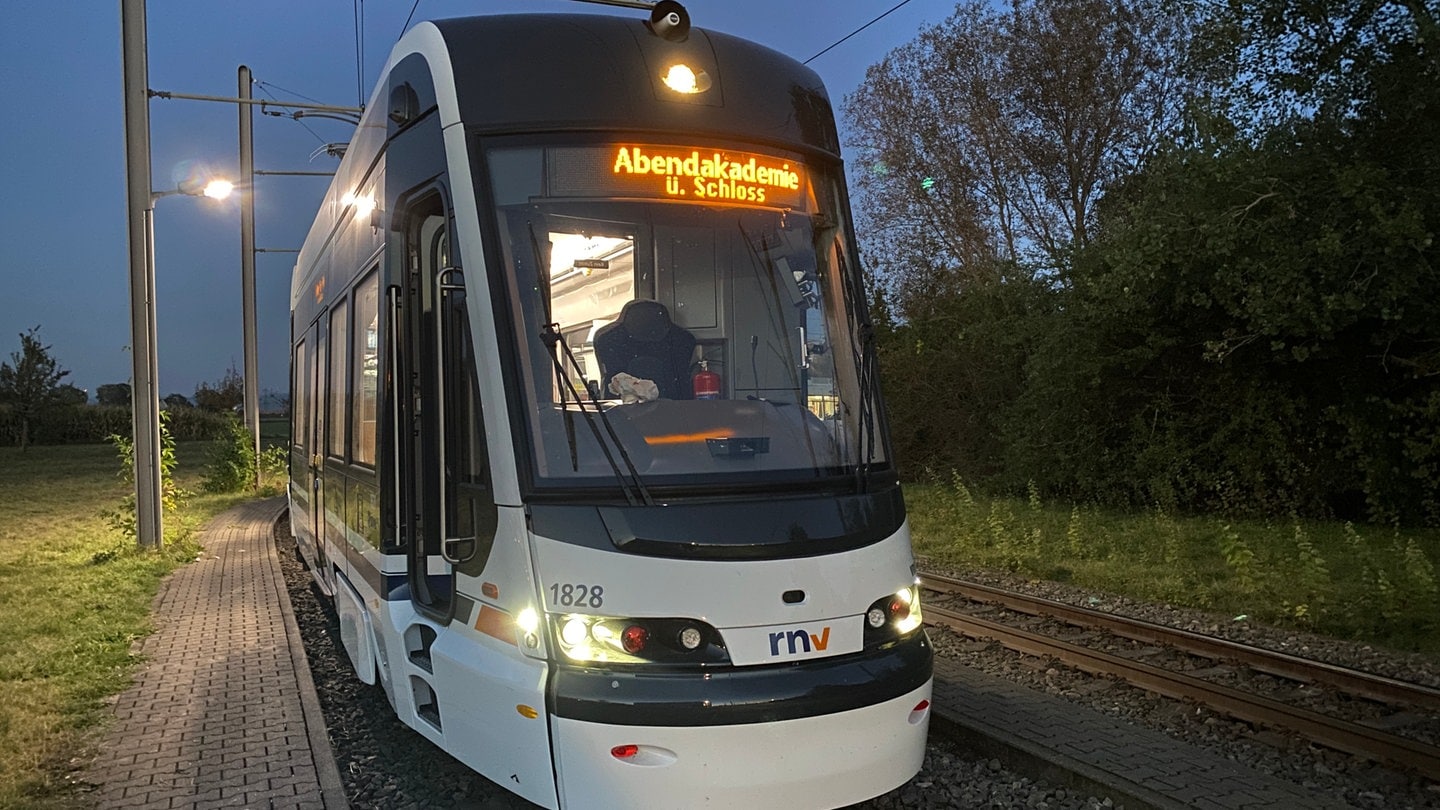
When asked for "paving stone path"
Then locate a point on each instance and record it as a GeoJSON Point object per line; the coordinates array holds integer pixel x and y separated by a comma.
{"type": "Point", "coordinates": [223, 713]}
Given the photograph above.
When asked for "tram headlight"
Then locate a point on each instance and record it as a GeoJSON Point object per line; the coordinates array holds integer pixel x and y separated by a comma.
{"type": "Point", "coordinates": [893, 616]}
{"type": "Point", "coordinates": [574, 631]}
{"type": "Point", "coordinates": [613, 640]}
{"type": "Point", "coordinates": [908, 616]}
{"type": "Point", "coordinates": [529, 622]}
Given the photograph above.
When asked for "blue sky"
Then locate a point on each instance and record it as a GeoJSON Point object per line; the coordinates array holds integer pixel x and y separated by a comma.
{"type": "Point", "coordinates": [63, 247]}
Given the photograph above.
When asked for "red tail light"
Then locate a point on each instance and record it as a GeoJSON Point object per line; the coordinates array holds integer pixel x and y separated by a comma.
{"type": "Point", "coordinates": [633, 638]}
{"type": "Point", "coordinates": [624, 751]}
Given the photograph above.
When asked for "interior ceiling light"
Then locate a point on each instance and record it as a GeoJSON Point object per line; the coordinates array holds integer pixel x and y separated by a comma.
{"type": "Point", "coordinates": [683, 79]}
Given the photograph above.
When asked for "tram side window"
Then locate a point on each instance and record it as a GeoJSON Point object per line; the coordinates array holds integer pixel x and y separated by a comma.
{"type": "Point", "coordinates": [367, 367]}
{"type": "Point", "coordinates": [339, 392]}
{"type": "Point", "coordinates": [301, 397]}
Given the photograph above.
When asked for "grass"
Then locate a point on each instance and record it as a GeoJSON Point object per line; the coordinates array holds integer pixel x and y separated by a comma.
{"type": "Point", "coordinates": [1368, 583]}
{"type": "Point", "coordinates": [75, 595]}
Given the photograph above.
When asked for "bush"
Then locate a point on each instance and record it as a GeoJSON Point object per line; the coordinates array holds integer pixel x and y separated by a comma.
{"type": "Point", "coordinates": [172, 495]}
{"type": "Point", "coordinates": [95, 424]}
{"type": "Point", "coordinates": [232, 462]}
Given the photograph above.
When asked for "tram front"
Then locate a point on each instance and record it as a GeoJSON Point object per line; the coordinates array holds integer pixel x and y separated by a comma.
{"type": "Point", "coordinates": [725, 609]}
{"type": "Point", "coordinates": [719, 537]}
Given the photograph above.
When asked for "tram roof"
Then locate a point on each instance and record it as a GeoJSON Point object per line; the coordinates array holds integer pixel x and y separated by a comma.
{"type": "Point", "coordinates": [575, 72]}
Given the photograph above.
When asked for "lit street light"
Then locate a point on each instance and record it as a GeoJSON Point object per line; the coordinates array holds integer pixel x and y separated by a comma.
{"type": "Point", "coordinates": [216, 189]}
{"type": "Point", "coordinates": [141, 198]}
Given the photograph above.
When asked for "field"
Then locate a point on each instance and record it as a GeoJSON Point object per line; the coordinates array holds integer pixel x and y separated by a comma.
{"type": "Point", "coordinates": [1370, 583]}
{"type": "Point", "coordinates": [75, 594]}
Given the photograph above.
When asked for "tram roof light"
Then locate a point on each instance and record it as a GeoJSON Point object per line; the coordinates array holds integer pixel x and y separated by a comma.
{"type": "Point", "coordinates": [684, 79]}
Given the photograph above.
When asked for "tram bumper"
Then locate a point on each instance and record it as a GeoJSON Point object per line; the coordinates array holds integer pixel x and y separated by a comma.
{"type": "Point", "coordinates": [822, 733]}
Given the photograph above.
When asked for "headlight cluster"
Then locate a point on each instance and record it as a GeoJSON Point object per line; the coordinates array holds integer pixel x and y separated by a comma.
{"type": "Point", "coordinates": [893, 616]}
{"type": "Point", "coordinates": [585, 638]}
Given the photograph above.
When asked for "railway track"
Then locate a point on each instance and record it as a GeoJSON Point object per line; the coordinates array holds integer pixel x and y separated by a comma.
{"type": "Point", "coordinates": [1335, 733]}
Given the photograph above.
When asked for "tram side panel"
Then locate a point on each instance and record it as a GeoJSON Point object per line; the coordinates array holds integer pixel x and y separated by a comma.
{"type": "Point", "coordinates": [491, 670]}
{"type": "Point", "coordinates": [457, 670]}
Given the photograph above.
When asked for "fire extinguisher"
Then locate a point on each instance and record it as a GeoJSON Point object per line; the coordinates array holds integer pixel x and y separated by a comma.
{"type": "Point", "coordinates": [707, 382]}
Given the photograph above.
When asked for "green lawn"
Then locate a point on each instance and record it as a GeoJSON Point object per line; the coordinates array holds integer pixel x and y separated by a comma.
{"type": "Point", "coordinates": [75, 594]}
{"type": "Point", "coordinates": [1363, 582]}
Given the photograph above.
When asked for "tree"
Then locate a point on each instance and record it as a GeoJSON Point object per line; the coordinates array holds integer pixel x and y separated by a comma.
{"type": "Point", "coordinates": [1256, 323]}
{"type": "Point", "coordinates": [1271, 63]}
{"type": "Point", "coordinates": [1242, 314]}
{"type": "Point", "coordinates": [70, 395]}
{"type": "Point", "coordinates": [114, 395]}
{"type": "Point", "coordinates": [177, 402]}
{"type": "Point", "coordinates": [991, 136]}
{"type": "Point", "coordinates": [224, 396]}
{"type": "Point", "coordinates": [31, 384]}
{"type": "Point", "coordinates": [984, 146]}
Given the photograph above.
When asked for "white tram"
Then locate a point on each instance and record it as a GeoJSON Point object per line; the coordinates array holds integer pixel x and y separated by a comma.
{"type": "Point", "coordinates": [588, 443]}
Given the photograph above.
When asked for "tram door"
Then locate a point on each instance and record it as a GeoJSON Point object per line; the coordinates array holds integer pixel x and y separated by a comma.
{"type": "Point", "coordinates": [313, 428]}
{"type": "Point", "coordinates": [444, 488]}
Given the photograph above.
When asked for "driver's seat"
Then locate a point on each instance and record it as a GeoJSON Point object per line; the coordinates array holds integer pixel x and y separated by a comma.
{"type": "Point", "coordinates": [643, 342]}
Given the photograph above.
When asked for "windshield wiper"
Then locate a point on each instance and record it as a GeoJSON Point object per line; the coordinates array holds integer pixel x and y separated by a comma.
{"type": "Point", "coordinates": [552, 337]}
{"type": "Point", "coordinates": [865, 358]}
{"type": "Point", "coordinates": [869, 382]}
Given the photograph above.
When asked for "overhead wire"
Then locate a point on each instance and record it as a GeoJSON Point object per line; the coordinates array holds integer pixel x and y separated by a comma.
{"type": "Point", "coordinates": [408, 18]}
{"type": "Point", "coordinates": [358, 10]}
{"type": "Point", "coordinates": [290, 92]}
{"type": "Point", "coordinates": [856, 31]}
{"type": "Point", "coordinates": [265, 88]}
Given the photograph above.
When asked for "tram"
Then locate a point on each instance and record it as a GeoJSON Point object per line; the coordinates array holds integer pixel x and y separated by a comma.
{"type": "Point", "coordinates": [588, 444]}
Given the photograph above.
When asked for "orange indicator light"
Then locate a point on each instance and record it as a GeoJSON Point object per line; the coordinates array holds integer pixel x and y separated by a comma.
{"type": "Point", "coordinates": [681, 438]}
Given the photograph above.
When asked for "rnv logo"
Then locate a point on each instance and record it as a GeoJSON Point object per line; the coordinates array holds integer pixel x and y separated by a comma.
{"type": "Point", "coordinates": [799, 641]}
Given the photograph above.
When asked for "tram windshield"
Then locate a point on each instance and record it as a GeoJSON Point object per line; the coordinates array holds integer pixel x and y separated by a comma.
{"type": "Point", "coordinates": [686, 316]}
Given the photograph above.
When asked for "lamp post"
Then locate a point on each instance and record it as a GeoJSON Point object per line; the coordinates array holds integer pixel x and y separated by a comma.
{"type": "Point", "coordinates": [145, 392]}
{"type": "Point", "coordinates": [247, 271]}
{"type": "Point", "coordinates": [145, 396]}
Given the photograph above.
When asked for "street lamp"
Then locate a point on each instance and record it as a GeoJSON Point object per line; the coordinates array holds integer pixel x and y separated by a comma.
{"type": "Point", "coordinates": [140, 203]}
{"type": "Point", "coordinates": [216, 189]}
{"type": "Point", "coordinates": [145, 393]}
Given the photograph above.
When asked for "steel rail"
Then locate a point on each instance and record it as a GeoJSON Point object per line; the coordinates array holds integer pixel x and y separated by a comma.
{"type": "Point", "coordinates": [1285, 665]}
{"type": "Point", "coordinates": [1338, 734]}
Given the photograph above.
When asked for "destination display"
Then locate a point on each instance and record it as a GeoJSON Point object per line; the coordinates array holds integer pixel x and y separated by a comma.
{"type": "Point", "coordinates": [690, 174]}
